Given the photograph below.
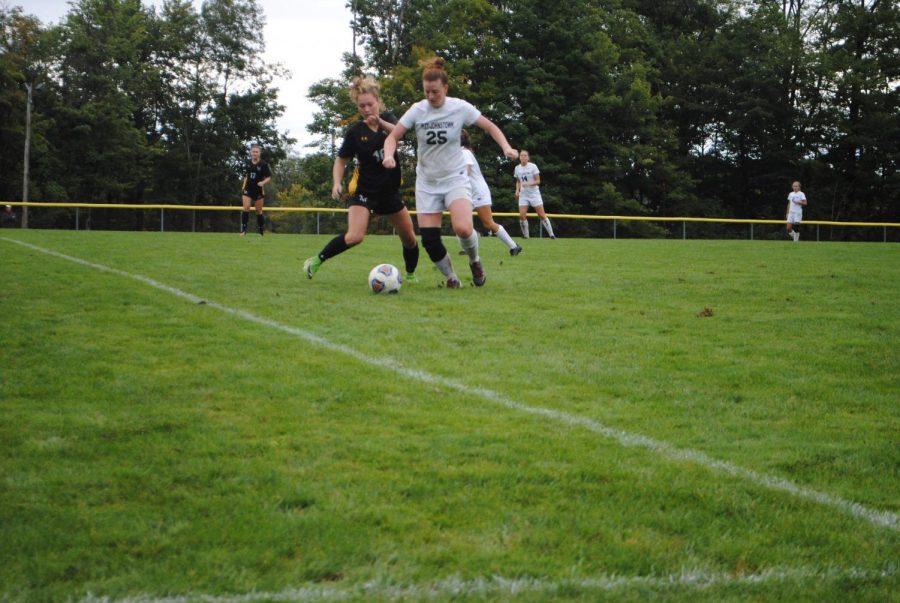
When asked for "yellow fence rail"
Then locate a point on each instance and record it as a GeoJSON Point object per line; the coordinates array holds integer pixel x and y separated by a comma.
{"type": "Point", "coordinates": [335, 210]}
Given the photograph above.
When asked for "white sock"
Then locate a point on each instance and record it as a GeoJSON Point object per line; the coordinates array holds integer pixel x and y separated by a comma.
{"type": "Point", "coordinates": [546, 223]}
{"type": "Point", "coordinates": [470, 246]}
{"type": "Point", "coordinates": [445, 266]}
{"type": "Point", "coordinates": [504, 236]}
{"type": "Point", "coordinates": [524, 225]}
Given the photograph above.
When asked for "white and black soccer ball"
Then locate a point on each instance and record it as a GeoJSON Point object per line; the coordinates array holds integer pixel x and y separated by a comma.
{"type": "Point", "coordinates": [385, 278]}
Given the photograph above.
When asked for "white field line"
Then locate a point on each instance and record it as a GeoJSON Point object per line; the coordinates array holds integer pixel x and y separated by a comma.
{"type": "Point", "coordinates": [495, 586]}
{"type": "Point", "coordinates": [881, 519]}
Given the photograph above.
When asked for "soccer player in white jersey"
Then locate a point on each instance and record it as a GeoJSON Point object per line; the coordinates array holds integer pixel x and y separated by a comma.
{"type": "Point", "coordinates": [796, 202]}
{"type": "Point", "coordinates": [481, 197]}
{"type": "Point", "coordinates": [442, 182]}
{"type": "Point", "coordinates": [528, 179]}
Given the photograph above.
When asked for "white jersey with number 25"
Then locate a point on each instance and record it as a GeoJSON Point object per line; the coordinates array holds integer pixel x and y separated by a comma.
{"type": "Point", "coordinates": [437, 135]}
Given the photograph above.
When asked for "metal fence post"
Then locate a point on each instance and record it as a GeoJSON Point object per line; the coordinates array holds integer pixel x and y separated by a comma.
{"type": "Point", "coordinates": [76, 218]}
{"type": "Point", "coordinates": [614, 230]}
{"type": "Point", "coordinates": [684, 230]}
{"type": "Point", "coordinates": [317, 223]}
{"type": "Point", "coordinates": [817, 233]}
{"type": "Point", "coordinates": [751, 231]}
{"type": "Point", "coordinates": [162, 219]}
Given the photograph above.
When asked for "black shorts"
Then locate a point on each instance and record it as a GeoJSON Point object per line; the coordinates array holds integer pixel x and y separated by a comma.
{"type": "Point", "coordinates": [254, 194]}
{"type": "Point", "coordinates": [382, 204]}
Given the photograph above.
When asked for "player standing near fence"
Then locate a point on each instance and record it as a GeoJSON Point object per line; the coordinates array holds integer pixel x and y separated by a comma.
{"type": "Point", "coordinates": [441, 179]}
{"type": "Point", "coordinates": [377, 188]}
{"type": "Point", "coordinates": [481, 196]}
{"type": "Point", "coordinates": [253, 191]}
{"type": "Point", "coordinates": [794, 215]}
{"type": "Point", "coordinates": [528, 179]}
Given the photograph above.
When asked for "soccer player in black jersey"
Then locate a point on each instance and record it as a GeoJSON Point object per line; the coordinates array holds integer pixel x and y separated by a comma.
{"type": "Point", "coordinates": [253, 190]}
{"type": "Point", "coordinates": [377, 188]}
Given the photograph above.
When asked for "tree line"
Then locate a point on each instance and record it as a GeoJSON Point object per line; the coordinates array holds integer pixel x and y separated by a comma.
{"type": "Point", "coordinates": [659, 107]}
{"type": "Point", "coordinates": [136, 105]}
{"type": "Point", "coordinates": [637, 107]}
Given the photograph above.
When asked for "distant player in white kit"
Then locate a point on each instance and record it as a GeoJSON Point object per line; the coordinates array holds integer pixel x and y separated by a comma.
{"type": "Point", "coordinates": [796, 202]}
{"type": "Point", "coordinates": [481, 196]}
{"type": "Point", "coordinates": [528, 179]}
{"type": "Point", "coordinates": [442, 182]}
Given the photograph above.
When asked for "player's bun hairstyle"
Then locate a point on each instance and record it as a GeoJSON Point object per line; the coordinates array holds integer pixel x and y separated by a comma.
{"type": "Point", "coordinates": [365, 84]}
{"type": "Point", "coordinates": [464, 139]}
{"type": "Point", "coordinates": [434, 70]}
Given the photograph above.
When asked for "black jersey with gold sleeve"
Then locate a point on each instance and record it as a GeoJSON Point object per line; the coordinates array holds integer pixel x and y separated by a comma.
{"type": "Point", "coordinates": [368, 147]}
{"type": "Point", "coordinates": [255, 173]}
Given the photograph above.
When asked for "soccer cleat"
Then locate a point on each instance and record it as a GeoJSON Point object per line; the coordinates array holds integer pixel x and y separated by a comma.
{"type": "Point", "coordinates": [552, 237]}
{"type": "Point", "coordinates": [515, 250]}
{"type": "Point", "coordinates": [312, 265]}
{"type": "Point", "coordinates": [478, 275]}
{"type": "Point", "coordinates": [453, 283]}
{"type": "Point", "coordinates": [243, 232]}
{"type": "Point", "coordinates": [411, 278]}
{"type": "Point", "coordinates": [260, 229]}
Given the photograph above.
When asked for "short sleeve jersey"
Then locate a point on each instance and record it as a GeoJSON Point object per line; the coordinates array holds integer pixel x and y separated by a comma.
{"type": "Point", "coordinates": [437, 134]}
{"type": "Point", "coordinates": [476, 178]}
{"type": "Point", "coordinates": [526, 173]}
{"type": "Point", "coordinates": [368, 147]}
{"type": "Point", "coordinates": [255, 173]}
{"type": "Point", "coordinates": [795, 199]}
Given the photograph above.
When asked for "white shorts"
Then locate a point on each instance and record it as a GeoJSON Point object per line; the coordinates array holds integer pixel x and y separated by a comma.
{"type": "Point", "coordinates": [795, 217]}
{"type": "Point", "coordinates": [435, 196]}
{"type": "Point", "coordinates": [533, 199]}
{"type": "Point", "coordinates": [480, 199]}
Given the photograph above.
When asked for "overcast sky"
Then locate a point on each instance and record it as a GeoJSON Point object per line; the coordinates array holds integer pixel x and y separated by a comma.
{"type": "Point", "coordinates": [306, 36]}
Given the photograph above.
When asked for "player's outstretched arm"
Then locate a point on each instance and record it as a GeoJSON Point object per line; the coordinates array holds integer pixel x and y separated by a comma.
{"type": "Point", "coordinates": [390, 146]}
{"type": "Point", "coordinates": [497, 134]}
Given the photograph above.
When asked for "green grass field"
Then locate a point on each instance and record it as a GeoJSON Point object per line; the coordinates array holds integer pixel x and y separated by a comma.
{"type": "Point", "coordinates": [623, 420]}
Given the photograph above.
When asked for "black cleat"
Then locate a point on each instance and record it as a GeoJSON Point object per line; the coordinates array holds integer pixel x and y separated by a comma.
{"type": "Point", "coordinates": [515, 250]}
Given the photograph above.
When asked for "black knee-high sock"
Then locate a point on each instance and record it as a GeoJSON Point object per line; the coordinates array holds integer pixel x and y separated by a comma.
{"type": "Point", "coordinates": [245, 219]}
{"type": "Point", "coordinates": [411, 258]}
{"type": "Point", "coordinates": [334, 247]}
{"type": "Point", "coordinates": [431, 241]}
{"type": "Point", "coordinates": [260, 220]}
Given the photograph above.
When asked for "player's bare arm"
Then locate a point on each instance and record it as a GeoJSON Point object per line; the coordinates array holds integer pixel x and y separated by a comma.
{"type": "Point", "coordinates": [497, 134]}
{"type": "Point", "coordinates": [390, 146]}
{"type": "Point", "coordinates": [376, 121]}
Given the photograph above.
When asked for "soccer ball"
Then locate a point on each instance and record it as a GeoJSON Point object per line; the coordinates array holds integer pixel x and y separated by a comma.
{"type": "Point", "coordinates": [385, 278]}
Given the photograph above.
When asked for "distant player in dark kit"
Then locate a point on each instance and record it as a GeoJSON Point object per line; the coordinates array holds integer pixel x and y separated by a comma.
{"type": "Point", "coordinates": [253, 190]}
{"type": "Point", "coordinates": [377, 188]}
{"type": "Point", "coordinates": [9, 217]}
